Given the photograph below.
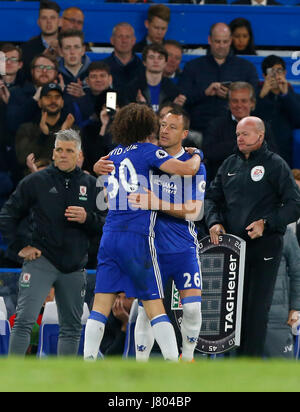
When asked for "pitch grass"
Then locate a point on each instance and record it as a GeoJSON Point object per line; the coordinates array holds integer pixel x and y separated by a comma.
{"type": "Point", "coordinates": [117, 375]}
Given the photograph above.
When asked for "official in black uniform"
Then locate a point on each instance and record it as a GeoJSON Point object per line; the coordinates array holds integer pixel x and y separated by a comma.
{"type": "Point", "coordinates": [62, 200]}
{"type": "Point", "coordinates": [254, 196]}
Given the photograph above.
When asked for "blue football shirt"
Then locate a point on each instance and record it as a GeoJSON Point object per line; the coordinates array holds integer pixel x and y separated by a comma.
{"type": "Point", "coordinates": [131, 175]}
{"type": "Point", "coordinates": [175, 235]}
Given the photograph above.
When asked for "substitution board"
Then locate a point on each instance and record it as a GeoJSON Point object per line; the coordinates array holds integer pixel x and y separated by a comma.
{"type": "Point", "coordinates": [222, 295]}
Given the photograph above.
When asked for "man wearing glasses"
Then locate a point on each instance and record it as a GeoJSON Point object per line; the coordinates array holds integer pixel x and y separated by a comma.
{"type": "Point", "coordinates": [13, 65]}
{"type": "Point", "coordinates": [279, 105]}
{"type": "Point", "coordinates": [72, 19]}
{"type": "Point", "coordinates": [22, 106]}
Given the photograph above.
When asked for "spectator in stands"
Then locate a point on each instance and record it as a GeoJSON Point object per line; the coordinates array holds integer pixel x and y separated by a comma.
{"type": "Point", "coordinates": [256, 3]}
{"type": "Point", "coordinates": [14, 76]}
{"type": "Point", "coordinates": [72, 19]}
{"type": "Point", "coordinates": [22, 106]}
{"type": "Point", "coordinates": [219, 140]}
{"type": "Point", "coordinates": [124, 64]}
{"type": "Point", "coordinates": [99, 81]}
{"type": "Point", "coordinates": [152, 88]}
{"type": "Point", "coordinates": [242, 36]}
{"type": "Point", "coordinates": [278, 104]}
{"type": "Point", "coordinates": [48, 22]}
{"type": "Point", "coordinates": [74, 62]}
{"type": "Point", "coordinates": [92, 116]}
{"type": "Point", "coordinates": [205, 79]}
{"type": "Point", "coordinates": [286, 301]}
{"type": "Point", "coordinates": [38, 138]}
{"type": "Point", "coordinates": [156, 24]}
{"type": "Point", "coordinates": [172, 69]}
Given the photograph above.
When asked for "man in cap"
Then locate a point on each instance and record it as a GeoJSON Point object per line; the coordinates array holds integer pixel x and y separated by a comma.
{"type": "Point", "coordinates": [38, 138]}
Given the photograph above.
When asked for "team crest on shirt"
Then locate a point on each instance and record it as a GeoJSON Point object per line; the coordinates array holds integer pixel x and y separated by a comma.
{"type": "Point", "coordinates": [257, 173]}
{"type": "Point", "coordinates": [161, 154]}
{"type": "Point", "coordinates": [82, 193]}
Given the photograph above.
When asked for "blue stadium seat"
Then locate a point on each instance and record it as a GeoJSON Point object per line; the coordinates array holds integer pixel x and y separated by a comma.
{"type": "Point", "coordinates": [4, 329]}
{"type": "Point", "coordinates": [49, 331]}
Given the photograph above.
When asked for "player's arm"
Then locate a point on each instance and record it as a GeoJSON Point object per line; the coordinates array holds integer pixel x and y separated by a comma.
{"type": "Point", "coordinates": [190, 210]}
{"type": "Point", "coordinates": [177, 167]}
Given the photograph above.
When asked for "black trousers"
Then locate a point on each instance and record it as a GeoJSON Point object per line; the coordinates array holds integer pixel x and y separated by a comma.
{"type": "Point", "coordinates": [263, 257]}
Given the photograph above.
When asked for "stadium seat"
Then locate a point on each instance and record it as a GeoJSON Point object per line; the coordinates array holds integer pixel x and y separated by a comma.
{"type": "Point", "coordinates": [4, 329]}
{"type": "Point", "coordinates": [49, 330]}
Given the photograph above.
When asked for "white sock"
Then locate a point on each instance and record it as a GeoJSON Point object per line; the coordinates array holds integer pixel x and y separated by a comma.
{"type": "Point", "coordinates": [190, 326]}
{"type": "Point", "coordinates": [143, 336]}
{"type": "Point", "coordinates": [94, 332]}
{"type": "Point", "coordinates": [164, 335]}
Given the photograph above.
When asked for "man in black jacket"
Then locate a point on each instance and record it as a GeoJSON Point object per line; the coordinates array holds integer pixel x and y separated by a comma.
{"type": "Point", "coordinates": [254, 196]}
{"type": "Point", "coordinates": [48, 22]}
{"type": "Point", "coordinates": [62, 200]}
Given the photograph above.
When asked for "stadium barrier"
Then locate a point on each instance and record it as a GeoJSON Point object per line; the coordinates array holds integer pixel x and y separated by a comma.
{"type": "Point", "coordinates": [272, 25]}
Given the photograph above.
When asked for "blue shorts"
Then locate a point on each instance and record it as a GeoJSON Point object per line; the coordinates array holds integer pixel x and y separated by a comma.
{"type": "Point", "coordinates": [127, 262]}
{"type": "Point", "coordinates": [183, 268]}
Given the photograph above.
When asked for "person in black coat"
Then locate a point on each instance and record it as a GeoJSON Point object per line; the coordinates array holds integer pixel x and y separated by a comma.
{"type": "Point", "coordinates": [124, 64]}
{"type": "Point", "coordinates": [48, 22]}
{"type": "Point", "coordinates": [254, 196]}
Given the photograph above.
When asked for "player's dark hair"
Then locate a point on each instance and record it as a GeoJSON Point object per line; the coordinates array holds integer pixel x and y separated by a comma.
{"type": "Point", "coordinates": [178, 111]}
{"type": "Point", "coordinates": [133, 123]}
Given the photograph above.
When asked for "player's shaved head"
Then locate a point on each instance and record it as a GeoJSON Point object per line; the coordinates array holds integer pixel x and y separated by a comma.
{"type": "Point", "coordinates": [134, 123]}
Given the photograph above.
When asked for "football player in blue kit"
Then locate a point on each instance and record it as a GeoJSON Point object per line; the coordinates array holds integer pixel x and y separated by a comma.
{"type": "Point", "coordinates": [127, 258]}
{"type": "Point", "coordinates": [180, 202]}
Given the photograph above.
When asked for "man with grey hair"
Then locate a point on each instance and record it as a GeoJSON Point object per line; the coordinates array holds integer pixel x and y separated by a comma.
{"type": "Point", "coordinates": [124, 64]}
{"type": "Point", "coordinates": [62, 202]}
{"type": "Point", "coordinates": [254, 196]}
{"type": "Point", "coordinates": [219, 140]}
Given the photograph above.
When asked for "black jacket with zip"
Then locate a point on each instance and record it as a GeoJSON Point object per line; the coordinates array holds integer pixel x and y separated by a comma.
{"type": "Point", "coordinates": [246, 190]}
{"type": "Point", "coordinates": [47, 194]}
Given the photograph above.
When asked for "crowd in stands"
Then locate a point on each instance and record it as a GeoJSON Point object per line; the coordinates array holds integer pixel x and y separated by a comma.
{"type": "Point", "coordinates": [50, 84]}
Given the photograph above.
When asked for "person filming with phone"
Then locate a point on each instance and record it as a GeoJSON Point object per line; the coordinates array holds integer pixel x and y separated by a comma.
{"type": "Point", "coordinates": [278, 104]}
